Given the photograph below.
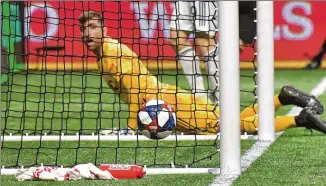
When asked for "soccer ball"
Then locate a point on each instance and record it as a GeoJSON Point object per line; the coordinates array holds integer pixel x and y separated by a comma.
{"type": "Point", "coordinates": [156, 119]}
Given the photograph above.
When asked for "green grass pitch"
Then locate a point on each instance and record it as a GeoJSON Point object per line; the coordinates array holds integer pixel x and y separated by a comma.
{"type": "Point", "coordinates": [53, 104]}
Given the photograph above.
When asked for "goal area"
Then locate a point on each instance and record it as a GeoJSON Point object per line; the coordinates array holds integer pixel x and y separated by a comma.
{"type": "Point", "coordinates": [59, 111]}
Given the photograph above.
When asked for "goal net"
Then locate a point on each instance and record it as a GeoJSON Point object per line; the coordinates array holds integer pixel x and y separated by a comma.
{"type": "Point", "coordinates": [59, 111]}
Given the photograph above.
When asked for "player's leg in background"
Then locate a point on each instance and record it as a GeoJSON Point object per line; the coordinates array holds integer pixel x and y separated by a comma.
{"type": "Point", "coordinates": [317, 59]}
{"type": "Point", "coordinates": [181, 27]}
{"type": "Point", "coordinates": [205, 28]}
{"type": "Point", "coordinates": [247, 26]}
{"type": "Point", "coordinates": [209, 51]}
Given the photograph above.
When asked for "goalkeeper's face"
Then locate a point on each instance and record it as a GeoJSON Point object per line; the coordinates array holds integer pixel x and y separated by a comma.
{"type": "Point", "coordinates": [92, 33]}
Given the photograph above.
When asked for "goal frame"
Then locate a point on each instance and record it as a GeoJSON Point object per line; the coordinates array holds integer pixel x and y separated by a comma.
{"type": "Point", "coordinates": [230, 138]}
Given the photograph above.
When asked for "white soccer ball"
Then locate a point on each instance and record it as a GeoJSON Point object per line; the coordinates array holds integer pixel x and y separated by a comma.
{"type": "Point", "coordinates": [156, 119]}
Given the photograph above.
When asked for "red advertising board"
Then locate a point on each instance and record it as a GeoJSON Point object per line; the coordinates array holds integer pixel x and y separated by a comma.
{"type": "Point", "coordinates": [144, 26]}
{"type": "Point", "coordinates": [299, 28]}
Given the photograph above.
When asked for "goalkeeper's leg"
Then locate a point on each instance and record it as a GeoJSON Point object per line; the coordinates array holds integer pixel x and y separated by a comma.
{"type": "Point", "coordinates": [193, 114]}
{"type": "Point", "coordinates": [253, 110]}
{"type": "Point", "coordinates": [308, 118]}
{"type": "Point", "coordinates": [288, 96]}
{"type": "Point", "coordinates": [197, 118]}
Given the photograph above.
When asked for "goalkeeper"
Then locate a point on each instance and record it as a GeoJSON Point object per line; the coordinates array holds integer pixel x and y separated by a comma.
{"type": "Point", "coordinates": [129, 78]}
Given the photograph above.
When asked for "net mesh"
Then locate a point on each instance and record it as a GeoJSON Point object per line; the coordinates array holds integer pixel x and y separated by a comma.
{"type": "Point", "coordinates": [60, 91]}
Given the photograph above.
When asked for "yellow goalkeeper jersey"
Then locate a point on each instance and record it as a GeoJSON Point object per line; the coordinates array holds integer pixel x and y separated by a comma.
{"type": "Point", "coordinates": [125, 73]}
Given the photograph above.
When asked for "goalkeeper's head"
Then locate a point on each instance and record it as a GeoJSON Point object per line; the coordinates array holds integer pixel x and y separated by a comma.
{"type": "Point", "coordinates": [92, 30]}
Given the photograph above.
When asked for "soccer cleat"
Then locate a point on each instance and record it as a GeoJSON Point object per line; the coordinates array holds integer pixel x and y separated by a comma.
{"type": "Point", "coordinates": [292, 96]}
{"type": "Point", "coordinates": [313, 65]}
{"type": "Point", "coordinates": [316, 60]}
{"type": "Point", "coordinates": [309, 119]}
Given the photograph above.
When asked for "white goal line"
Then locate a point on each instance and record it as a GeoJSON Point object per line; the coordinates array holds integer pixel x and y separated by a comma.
{"type": "Point", "coordinates": [98, 137]}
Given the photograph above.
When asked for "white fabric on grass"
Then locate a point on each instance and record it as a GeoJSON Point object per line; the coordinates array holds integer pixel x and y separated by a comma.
{"type": "Point", "coordinates": [78, 172]}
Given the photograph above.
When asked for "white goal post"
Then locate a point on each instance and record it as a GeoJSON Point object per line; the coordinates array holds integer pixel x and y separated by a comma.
{"type": "Point", "coordinates": [230, 73]}
{"type": "Point", "coordinates": [230, 137]}
{"type": "Point", "coordinates": [265, 58]}
{"type": "Point", "coordinates": [230, 146]}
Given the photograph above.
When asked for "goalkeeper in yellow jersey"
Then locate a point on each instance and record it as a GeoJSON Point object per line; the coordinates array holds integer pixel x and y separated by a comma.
{"type": "Point", "coordinates": [125, 73]}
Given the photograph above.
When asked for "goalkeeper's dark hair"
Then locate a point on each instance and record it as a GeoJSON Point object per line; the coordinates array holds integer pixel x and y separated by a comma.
{"type": "Point", "coordinates": [88, 15]}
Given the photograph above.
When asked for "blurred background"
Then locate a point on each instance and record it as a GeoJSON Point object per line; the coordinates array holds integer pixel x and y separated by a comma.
{"type": "Point", "coordinates": [35, 33]}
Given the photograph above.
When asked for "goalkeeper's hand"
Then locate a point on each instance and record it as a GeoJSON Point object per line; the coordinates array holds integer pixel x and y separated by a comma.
{"type": "Point", "coordinates": [116, 131]}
